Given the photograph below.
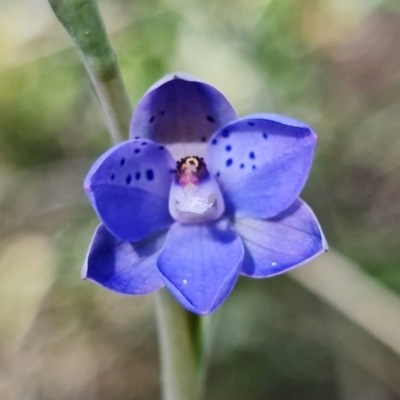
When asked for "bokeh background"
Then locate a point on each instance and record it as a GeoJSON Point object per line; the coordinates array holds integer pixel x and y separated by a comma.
{"type": "Point", "coordinates": [328, 331]}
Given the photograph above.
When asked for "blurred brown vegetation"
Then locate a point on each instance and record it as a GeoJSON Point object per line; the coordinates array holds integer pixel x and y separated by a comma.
{"type": "Point", "coordinates": [327, 332]}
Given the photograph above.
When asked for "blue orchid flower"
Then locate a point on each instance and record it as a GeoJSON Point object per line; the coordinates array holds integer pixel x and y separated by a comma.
{"type": "Point", "coordinates": [197, 197]}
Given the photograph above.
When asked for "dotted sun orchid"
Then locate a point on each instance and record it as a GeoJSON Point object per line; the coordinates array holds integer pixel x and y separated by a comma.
{"type": "Point", "coordinates": [198, 197]}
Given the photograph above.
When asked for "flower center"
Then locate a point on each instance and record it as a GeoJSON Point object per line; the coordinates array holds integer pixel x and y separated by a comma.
{"type": "Point", "coordinates": [195, 196]}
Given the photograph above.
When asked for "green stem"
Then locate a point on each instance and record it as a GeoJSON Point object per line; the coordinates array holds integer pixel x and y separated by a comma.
{"type": "Point", "coordinates": [84, 24]}
{"type": "Point", "coordinates": [116, 108]}
{"type": "Point", "coordinates": [184, 349]}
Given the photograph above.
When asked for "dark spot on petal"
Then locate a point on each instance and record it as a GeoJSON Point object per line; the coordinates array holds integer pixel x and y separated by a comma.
{"type": "Point", "coordinates": [162, 112]}
{"type": "Point", "coordinates": [122, 162]}
{"type": "Point", "coordinates": [149, 174]}
{"type": "Point", "coordinates": [225, 133]}
{"type": "Point", "coordinates": [214, 141]}
{"type": "Point", "coordinates": [144, 143]}
{"type": "Point", "coordinates": [137, 137]}
{"type": "Point", "coordinates": [161, 148]}
{"type": "Point", "coordinates": [253, 167]}
{"type": "Point", "coordinates": [250, 123]}
{"type": "Point", "coordinates": [128, 179]}
{"type": "Point", "coordinates": [241, 166]}
{"type": "Point", "coordinates": [137, 151]}
{"type": "Point", "coordinates": [112, 177]}
{"type": "Point", "coordinates": [152, 119]}
{"type": "Point", "coordinates": [229, 162]}
{"type": "Point", "coordinates": [204, 139]}
{"type": "Point", "coordinates": [210, 119]}
{"type": "Point", "coordinates": [265, 136]}
{"type": "Point", "coordinates": [172, 171]}
{"type": "Point", "coordinates": [176, 77]}
{"type": "Point", "coordinates": [228, 148]}
{"type": "Point", "coordinates": [137, 175]}
{"type": "Point", "coordinates": [252, 156]}
{"type": "Point", "coordinates": [217, 174]}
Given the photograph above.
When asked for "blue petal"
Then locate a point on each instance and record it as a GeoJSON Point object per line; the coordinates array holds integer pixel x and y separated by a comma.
{"type": "Point", "coordinates": [181, 109]}
{"type": "Point", "coordinates": [129, 187]}
{"type": "Point", "coordinates": [262, 163]}
{"type": "Point", "coordinates": [128, 268]}
{"type": "Point", "coordinates": [200, 264]}
{"type": "Point", "coordinates": [275, 245]}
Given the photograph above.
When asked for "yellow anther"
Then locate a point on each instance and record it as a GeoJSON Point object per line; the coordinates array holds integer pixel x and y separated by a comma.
{"type": "Point", "coordinates": [191, 164]}
{"type": "Point", "coordinates": [191, 160]}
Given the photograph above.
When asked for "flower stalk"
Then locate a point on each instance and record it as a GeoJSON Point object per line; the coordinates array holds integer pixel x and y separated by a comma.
{"type": "Point", "coordinates": [184, 344]}
{"type": "Point", "coordinates": [82, 20]}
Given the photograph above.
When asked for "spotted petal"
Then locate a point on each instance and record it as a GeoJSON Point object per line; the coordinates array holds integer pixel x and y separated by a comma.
{"type": "Point", "coordinates": [278, 244]}
{"type": "Point", "coordinates": [200, 264]}
{"type": "Point", "coordinates": [262, 163]}
{"type": "Point", "coordinates": [128, 268]}
{"type": "Point", "coordinates": [129, 186]}
{"type": "Point", "coordinates": [182, 112]}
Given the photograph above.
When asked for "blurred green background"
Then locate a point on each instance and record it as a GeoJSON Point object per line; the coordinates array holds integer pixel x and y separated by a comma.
{"type": "Point", "coordinates": [328, 331]}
